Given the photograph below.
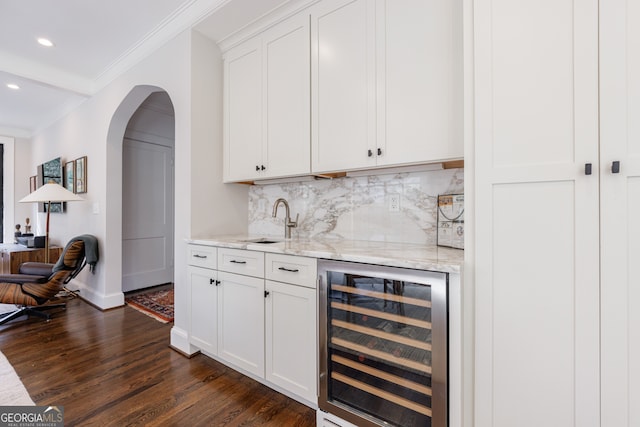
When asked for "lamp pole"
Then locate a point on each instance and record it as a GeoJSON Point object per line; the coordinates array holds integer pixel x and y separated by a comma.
{"type": "Point", "coordinates": [46, 234]}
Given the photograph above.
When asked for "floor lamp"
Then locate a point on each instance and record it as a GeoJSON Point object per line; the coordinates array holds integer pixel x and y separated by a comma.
{"type": "Point", "coordinates": [51, 192]}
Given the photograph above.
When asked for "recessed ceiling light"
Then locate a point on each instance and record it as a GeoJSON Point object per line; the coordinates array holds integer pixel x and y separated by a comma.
{"type": "Point", "coordinates": [13, 86]}
{"type": "Point", "coordinates": [45, 42]}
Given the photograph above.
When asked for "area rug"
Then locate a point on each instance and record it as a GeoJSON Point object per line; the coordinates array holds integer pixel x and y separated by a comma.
{"type": "Point", "coordinates": [157, 304]}
{"type": "Point", "coordinates": [12, 392]}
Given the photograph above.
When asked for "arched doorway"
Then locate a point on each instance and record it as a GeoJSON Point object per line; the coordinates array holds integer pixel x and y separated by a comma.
{"type": "Point", "coordinates": [114, 215]}
{"type": "Point", "coordinates": [148, 194]}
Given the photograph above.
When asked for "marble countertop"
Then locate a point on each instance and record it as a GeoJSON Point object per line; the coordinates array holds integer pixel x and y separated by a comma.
{"type": "Point", "coordinates": [406, 255]}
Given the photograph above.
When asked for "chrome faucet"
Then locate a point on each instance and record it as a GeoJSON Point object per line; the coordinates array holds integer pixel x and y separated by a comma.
{"type": "Point", "coordinates": [288, 224]}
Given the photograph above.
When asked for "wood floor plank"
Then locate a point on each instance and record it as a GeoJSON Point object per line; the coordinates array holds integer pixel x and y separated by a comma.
{"type": "Point", "coordinates": [115, 368]}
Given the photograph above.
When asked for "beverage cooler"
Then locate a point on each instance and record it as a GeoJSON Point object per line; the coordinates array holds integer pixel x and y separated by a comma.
{"type": "Point", "coordinates": [383, 345]}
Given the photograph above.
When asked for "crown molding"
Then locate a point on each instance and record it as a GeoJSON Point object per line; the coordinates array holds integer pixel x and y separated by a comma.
{"type": "Point", "coordinates": [269, 19]}
{"type": "Point", "coordinates": [181, 20]}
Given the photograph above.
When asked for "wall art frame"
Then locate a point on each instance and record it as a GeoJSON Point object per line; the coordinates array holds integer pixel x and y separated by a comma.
{"type": "Point", "coordinates": [69, 176]}
{"type": "Point", "coordinates": [33, 183]}
{"type": "Point", "coordinates": [81, 174]}
{"type": "Point", "coordinates": [50, 171]}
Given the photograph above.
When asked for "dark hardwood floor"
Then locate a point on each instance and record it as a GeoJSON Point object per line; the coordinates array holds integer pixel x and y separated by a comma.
{"type": "Point", "coordinates": [115, 368]}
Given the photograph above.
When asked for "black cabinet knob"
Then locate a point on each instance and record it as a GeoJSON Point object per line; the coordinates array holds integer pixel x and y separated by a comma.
{"type": "Point", "coordinates": [379, 151]}
{"type": "Point", "coordinates": [262, 167]}
{"type": "Point", "coordinates": [615, 167]}
{"type": "Point", "coordinates": [257, 168]}
{"type": "Point", "coordinates": [266, 294]}
{"type": "Point", "coordinates": [587, 168]}
{"type": "Point", "coordinates": [369, 153]}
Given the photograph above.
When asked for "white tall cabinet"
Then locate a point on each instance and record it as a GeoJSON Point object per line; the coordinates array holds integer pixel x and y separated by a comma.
{"type": "Point", "coordinates": [620, 212]}
{"type": "Point", "coordinates": [556, 227]}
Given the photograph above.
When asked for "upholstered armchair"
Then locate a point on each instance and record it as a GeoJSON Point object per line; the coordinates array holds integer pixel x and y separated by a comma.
{"type": "Point", "coordinates": [37, 283]}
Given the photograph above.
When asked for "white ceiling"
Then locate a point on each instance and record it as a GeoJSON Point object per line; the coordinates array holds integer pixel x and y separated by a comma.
{"type": "Point", "coordinates": [95, 41]}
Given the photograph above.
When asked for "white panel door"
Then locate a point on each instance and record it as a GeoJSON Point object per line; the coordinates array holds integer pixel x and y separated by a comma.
{"type": "Point", "coordinates": [287, 80]}
{"type": "Point", "coordinates": [620, 211]}
{"type": "Point", "coordinates": [204, 307]}
{"type": "Point", "coordinates": [291, 339]}
{"type": "Point", "coordinates": [243, 112]}
{"type": "Point", "coordinates": [419, 70]}
{"type": "Point", "coordinates": [147, 215]}
{"type": "Point", "coordinates": [241, 321]}
{"type": "Point", "coordinates": [343, 84]}
{"type": "Point", "coordinates": [537, 275]}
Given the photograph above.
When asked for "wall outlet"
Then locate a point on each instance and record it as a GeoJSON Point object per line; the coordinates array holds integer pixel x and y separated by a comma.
{"type": "Point", "coordinates": [394, 203]}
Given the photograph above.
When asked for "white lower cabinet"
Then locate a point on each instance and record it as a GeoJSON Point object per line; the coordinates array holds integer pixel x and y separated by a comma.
{"type": "Point", "coordinates": [291, 346]}
{"type": "Point", "coordinates": [203, 297]}
{"type": "Point", "coordinates": [241, 321]}
{"type": "Point", "coordinates": [265, 328]}
{"type": "Point", "coordinates": [204, 303]}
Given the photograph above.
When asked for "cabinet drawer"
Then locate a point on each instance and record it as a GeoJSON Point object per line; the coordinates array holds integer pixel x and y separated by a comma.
{"type": "Point", "coordinates": [202, 256]}
{"type": "Point", "coordinates": [240, 261]}
{"type": "Point", "coordinates": [292, 269]}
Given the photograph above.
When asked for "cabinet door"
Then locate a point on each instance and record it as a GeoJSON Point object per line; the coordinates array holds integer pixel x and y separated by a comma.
{"type": "Point", "coordinates": [241, 321]}
{"type": "Point", "coordinates": [620, 211]}
{"type": "Point", "coordinates": [420, 74]}
{"type": "Point", "coordinates": [204, 302]}
{"type": "Point", "coordinates": [343, 85]}
{"type": "Point", "coordinates": [291, 344]}
{"type": "Point", "coordinates": [537, 239]}
{"type": "Point", "coordinates": [287, 80]}
{"type": "Point", "coordinates": [243, 111]}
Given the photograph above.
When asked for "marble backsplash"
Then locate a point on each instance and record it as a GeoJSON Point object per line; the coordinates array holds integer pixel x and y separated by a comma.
{"type": "Point", "coordinates": [357, 208]}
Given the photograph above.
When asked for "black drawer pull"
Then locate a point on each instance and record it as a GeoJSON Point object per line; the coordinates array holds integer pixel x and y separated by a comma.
{"type": "Point", "coordinates": [200, 256]}
{"type": "Point", "coordinates": [293, 270]}
{"type": "Point", "coordinates": [587, 168]}
{"type": "Point", "coordinates": [266, 293]}
{"type": "Point", "coordinates": [212, 281]}
{"type": "Point", "coordinates": [237, 262]}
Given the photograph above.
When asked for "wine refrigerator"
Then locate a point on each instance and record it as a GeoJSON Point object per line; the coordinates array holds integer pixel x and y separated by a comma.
{"type": "Point", "coordinates": [383, 344]}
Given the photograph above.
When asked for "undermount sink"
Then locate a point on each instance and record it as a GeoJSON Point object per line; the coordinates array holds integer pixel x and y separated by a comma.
{"type": "Point", "coordinates": [262, 240]}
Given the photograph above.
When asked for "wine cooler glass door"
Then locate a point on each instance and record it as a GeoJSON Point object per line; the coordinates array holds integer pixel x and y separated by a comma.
{"type": "Point", "coordinates": [384, 357]}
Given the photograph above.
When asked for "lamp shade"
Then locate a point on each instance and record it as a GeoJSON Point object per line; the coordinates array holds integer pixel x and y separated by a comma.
{"type": "Point", "coordinates": [51, 192]}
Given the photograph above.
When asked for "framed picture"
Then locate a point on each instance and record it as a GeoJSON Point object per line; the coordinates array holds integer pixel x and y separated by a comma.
{"type": "Point", "coordinates": [50, 171]}
{"type": "Point", "coordinates": [33, 183]}
{"type": "Point", "coordinates": [81, 175]}
{"type": "Point", "coordinates": [69, 176]}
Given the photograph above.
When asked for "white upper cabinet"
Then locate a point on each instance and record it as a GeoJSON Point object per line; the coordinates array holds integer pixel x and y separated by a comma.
{"type": "Point", "coordinates": [386, 83]}
{"type": "Point", "coordinates": [286, 76]}
{"type": "Point", "coordinates": [346, 85]}
{"type": "Point", "coordinates": [243, 111]}
{"type": "Point", "coordinates": [343, 88]}
{"type": "Point", "coordinates": [267, 118]}
{"type": "Point", "coordinates": [419, 74]}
